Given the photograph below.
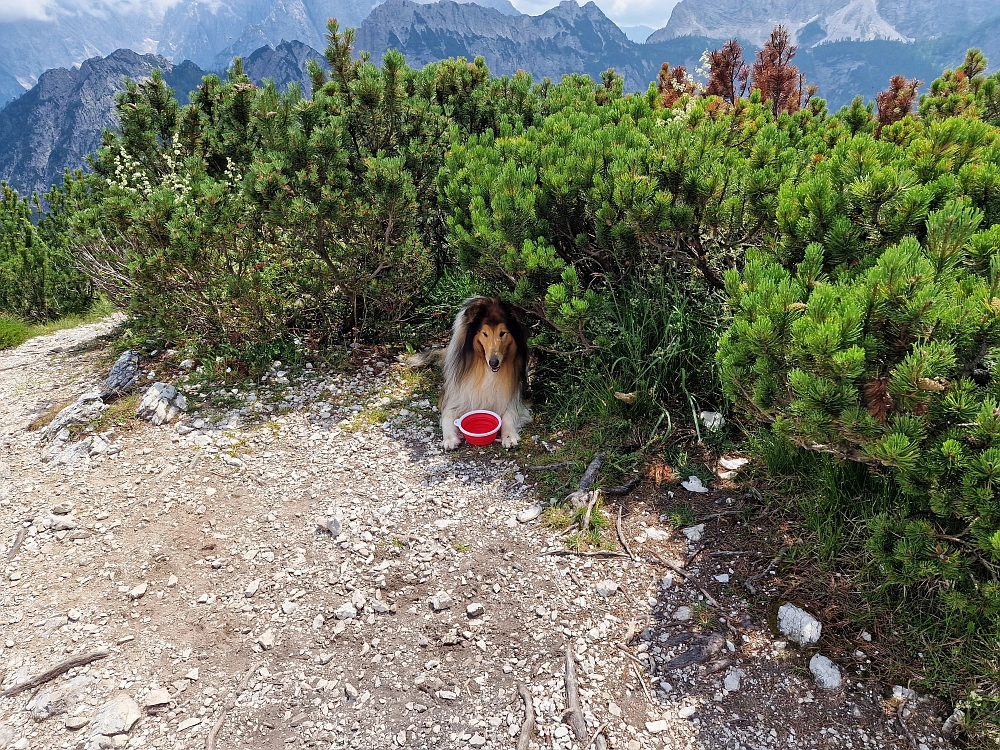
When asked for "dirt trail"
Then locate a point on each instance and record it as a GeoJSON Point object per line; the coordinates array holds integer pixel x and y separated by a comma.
{"type": "Point", "coordinates": [347, 585]}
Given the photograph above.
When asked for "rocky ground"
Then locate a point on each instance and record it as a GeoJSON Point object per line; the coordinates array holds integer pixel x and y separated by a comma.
{"type": "Point", "coordinates": [306, 568]}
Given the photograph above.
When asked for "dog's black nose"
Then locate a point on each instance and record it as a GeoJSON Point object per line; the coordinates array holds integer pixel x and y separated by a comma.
{"type": "Point", "coordinates": [494, 363]}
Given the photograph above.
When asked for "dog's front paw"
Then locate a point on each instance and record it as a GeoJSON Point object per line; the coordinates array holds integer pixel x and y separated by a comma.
{"type": "Point", "coordinates": [511, 441]}
{"type": "Point", "coordinates": [451, 443]}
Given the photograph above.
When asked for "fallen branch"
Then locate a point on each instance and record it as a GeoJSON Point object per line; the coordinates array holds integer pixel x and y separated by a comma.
{"type": "Point", "coordinates": [623, 489]}
{"type": "Point", "coordinates": [574, 713]}
{"type": "Point", "coordinates": [548, 467]}
{"type": "Point", "coordinates": [594, 497]}
{"type": "Point", "coordinates": [528, 725]}
{"type": "Point", "coordinates": [229, 706]}
{"type": "Point", "coordinates": [642, 683]}
{"type": "Point", "coordinates": [599, 734]}
{"type": "Point", "coordinates": [18, 541]}
{"type": "Point", "coordinates": [574, 553]}
{"type": "Point", "coordinates": [748, 583]}
{"type": "Point", "coordinates": [713, 516]}
{"type": "Point", "coordinates": [582, 494]}
{"type": "Point", "coordinates": [695, 554]}
{"type": "Point", "coordinates": [899, 718]}
{"type": "Point", "coordinates": [630, 655]}
{"type": "Point", "coordinates": [590, 475]}
{"type": "Point", "coordinates": [51, 673]}
{"type": "Point", "coordinates": [621, 536]}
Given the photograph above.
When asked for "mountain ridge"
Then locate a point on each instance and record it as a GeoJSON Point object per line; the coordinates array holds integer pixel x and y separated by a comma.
{"type": "Point", "coordinates": [817, 22]}
{"type": "Point", "coordinates": [56, 124]}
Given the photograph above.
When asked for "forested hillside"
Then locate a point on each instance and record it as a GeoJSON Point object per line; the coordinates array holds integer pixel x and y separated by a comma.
{"type": "Point", "coordinates": [830, 281]}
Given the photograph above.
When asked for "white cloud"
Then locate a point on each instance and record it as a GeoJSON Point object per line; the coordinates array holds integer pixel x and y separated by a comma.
{"type": "Point", "coordinates": [49, 10]}
{"type": "Point", "coordinates": [26, 10]}
{"type": "Point", "coordinates": [653, 13]}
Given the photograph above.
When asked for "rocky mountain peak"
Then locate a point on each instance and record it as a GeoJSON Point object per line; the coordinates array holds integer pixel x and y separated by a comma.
{"type": "Point", "coordinates": [816, 22]}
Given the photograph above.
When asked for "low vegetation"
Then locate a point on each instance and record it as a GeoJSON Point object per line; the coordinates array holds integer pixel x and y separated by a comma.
{"type": "Point", "coordinates": [828, 281]}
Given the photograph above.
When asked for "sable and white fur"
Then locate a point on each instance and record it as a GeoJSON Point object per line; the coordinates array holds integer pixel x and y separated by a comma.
{"type": "Point", "coordinates": [485, 367]}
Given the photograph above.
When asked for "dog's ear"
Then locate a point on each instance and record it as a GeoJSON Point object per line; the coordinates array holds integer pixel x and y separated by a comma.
{"type": "Point", "coordinates": [518, 314]}
{"type": "Point", "coordinates": [474, 307]}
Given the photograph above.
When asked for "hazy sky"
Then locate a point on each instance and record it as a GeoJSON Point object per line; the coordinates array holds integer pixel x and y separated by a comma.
{"type": "Point", "coordinates": [45, 10]}
{"type": "Point", "coordinates": [652, 13]}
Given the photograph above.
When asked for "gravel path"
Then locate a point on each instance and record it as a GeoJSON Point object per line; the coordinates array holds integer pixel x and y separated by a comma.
{"type": "Point", "coordinates": [332, 578]}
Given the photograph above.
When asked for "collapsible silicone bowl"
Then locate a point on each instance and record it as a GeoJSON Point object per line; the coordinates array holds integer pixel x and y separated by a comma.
{"type": "Point", "coordinates": [479, 427]}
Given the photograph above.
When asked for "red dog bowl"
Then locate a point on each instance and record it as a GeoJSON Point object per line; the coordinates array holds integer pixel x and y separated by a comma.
{"type": "Point", "coordinates": [479, 427]}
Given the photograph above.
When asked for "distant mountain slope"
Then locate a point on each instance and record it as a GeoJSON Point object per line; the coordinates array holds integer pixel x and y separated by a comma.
{"type": "Point", "coordinates": [570, 38]}
{"type": "Point", "coordinates": [306, 20]}
{"type": "Point", "coordinates": [60, 120]}
{"type": "Point", "coordinates": [283, 64]}
{"type": "Point", "coordinates": [844, 70]}
{"type": "Point", "coordinates": [30, 47]}
{"type": "Point", "coordinates": [567, 39]}
{"type": "Point", "coordinates": [814, 22]}
{"type": "Point", "coordinates": [208, 32]}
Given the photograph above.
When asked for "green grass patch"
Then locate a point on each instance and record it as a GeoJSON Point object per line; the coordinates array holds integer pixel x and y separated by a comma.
{"type": "Point", "coordinates": [829, 505]}
{"type": "Point", "coordinates": [14, 332]}
{"type": "Point", "coordinates": [120, 414]}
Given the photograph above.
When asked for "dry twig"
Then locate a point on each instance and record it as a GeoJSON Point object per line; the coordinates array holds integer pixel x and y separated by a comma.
{"type": "Point", "coordinates": [528, 725]}
{"type": "Point", "coordinates": [594, 497]}
{"type": "Point", "coordinates": [18, 541]}
{"type": "Point", "coordinates": [733, 553]}
{"type": "Point", "coordinates": [229, 706]}
{"type": "Point", "coordinates": [748, 583]}
{"type": "Point", "coordinates": [599, 734]}
{"type": "Point", "coordinates": [899, 717]}
{"type": "Point", "coordinates": [623, 489]}
{"type": "Point", "coordinates": [695, 554]}
{"type": "Point", "coordinates": [77, 660]}
{"type": "Point", "coordinates": [642, 683]}
{"type": "Point", "coordinates": [574, 713]}
{"type": "Point", "coordinates": [630, 655]}
{"type": "Point", "coordinates": [621, 536]}
{"type": "Point", "coordinates": [714, 516]}
{"type": "Point", "coordinates": [574, 553]}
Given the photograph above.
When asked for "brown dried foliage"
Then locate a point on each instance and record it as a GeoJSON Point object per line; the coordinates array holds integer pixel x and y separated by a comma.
{"type": "Point", "coordinates": [659, 471]}
{"type": "Point", "coordinates": [728, 73]}
{"type": "Point", "coordinates": [878, 399]}
{"type": "Point", "coordinates": [896, 102]}
{"type": "Point", "coordinates": [779, 82]}
{"type": "Point", "coordinates": [673, 83]}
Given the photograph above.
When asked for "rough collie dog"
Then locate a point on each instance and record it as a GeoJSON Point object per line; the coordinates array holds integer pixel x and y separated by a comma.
{"type": "Point", "coordinates": [485, 367]}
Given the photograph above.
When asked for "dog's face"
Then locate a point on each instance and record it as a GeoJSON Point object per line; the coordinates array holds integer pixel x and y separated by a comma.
{"type": "Point", "coordinates": [495, 343]}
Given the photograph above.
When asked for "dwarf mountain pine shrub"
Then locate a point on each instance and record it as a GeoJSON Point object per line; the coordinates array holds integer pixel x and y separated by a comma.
{"type": "Point", "coordinates": [871, 331]}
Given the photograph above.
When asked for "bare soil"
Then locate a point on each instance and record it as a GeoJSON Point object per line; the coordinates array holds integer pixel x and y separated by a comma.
{"type": "Point", "coordinates": [215, 561]}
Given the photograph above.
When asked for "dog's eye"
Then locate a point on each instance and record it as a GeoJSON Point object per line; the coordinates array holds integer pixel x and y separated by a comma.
{"type": "Point", "coordinates": [502, 334]}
